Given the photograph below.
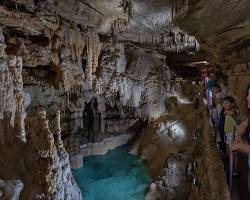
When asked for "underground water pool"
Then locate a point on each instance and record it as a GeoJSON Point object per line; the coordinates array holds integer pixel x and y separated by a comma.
{"type": "Point", "coordinates": [117, 175]}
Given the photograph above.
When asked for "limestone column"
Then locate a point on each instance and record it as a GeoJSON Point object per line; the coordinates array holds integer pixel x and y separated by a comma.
{"type": "Point", "coordinates": [59, 142]}
{"type": "Point", "coordinates": [16, 66]}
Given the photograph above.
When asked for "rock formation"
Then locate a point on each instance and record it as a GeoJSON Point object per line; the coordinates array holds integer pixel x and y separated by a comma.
{"type": "Point", "coordinates": [10, 189]}
{"type": "Point", "coordinates": [52, 169]}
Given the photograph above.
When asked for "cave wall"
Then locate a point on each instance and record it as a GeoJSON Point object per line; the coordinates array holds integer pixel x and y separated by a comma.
{"type": "Point", "coordinates": [222, 30]}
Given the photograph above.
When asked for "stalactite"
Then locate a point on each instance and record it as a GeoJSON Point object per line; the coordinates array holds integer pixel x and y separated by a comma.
{"type": "Point", "coordinates": [12, 97]}
{"type": "Point", "coordinates": [121, 60]}
{"type": "Point", "coordinates": [141, 84]}
{"type": "Point", "coordinates": [172, 10]}
{"type": "Point", "coordinates": [77, 43]}
{"type": "Point", "coordinates": [93, 51]}
{"type": "Point", "coordinates": [178, 40]}
{"type": "Point", "coordinates": [119, 25]}
{"type": "Point", "coordinates": [136, 95]}
{"type": "Point", "coordinates": [177, 6]}
{"type": "Point", "coordinates": [73, 77]}
{"type": "Point", "coordinates": [125, 91]}
{"type": "Point", "coordinates": [127, 8]}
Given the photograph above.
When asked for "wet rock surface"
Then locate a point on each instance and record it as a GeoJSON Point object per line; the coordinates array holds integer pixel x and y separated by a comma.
{"type": "Point", "coordinates": [168, 147]}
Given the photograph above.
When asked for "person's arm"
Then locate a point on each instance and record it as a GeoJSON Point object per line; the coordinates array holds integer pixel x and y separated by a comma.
{"type": "Point", "coordinates": [241, 130]}
{"type": "Point", "coordinates": [245, 148]}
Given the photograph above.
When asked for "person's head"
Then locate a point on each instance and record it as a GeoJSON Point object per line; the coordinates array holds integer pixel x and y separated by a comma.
{"type": "Point", "coordinates": [204, 73]}
{"type": "Point", "coordinates": [228, 103]}
{"type": "Point", "coordinates": [212, 76]}
{"type": "Point", "coordinates": [216, 88]}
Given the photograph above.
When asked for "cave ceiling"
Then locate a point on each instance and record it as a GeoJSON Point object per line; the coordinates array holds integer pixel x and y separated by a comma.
{"type": "Point", "coordinates": [221, 28]}
{"type": "Point", "coordinates": [146, 16]}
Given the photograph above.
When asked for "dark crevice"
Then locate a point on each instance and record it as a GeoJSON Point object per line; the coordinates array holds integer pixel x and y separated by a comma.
{"type": "Point", "coordinates": [44, 73]}
{"type": "Point", "coordinates": [40, 40]}
{"type": "Point", "coordinates": [231, 29]}
{"type": "Point", "coordinates": [13, 5]}
{"type": "Point", "coordinates": [11, 32]}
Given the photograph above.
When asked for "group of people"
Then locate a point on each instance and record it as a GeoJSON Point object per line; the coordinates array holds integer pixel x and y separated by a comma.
{"type": "Point", "coordinates": [233, 134]}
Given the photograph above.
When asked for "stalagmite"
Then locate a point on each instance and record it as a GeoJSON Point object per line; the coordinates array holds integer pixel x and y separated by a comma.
{"type": "Point", "coordinates": [12, 97]}
{"type": "Point", "coordinates": [59, 142]}
{"type": "Point", "coordinates": [50, 165]}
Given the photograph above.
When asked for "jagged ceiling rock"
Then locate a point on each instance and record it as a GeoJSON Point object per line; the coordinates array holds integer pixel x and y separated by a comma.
{"type": "Point", "coordinates": [150, 15]}
{"type": "Point", "coordinates": [222, 28]}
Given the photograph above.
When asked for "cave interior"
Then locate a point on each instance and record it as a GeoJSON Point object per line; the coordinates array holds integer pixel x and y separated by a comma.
{"type": "Point", "coordinates": [104, 99]}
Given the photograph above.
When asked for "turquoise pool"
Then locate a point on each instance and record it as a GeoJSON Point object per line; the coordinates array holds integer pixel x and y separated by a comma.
{"type": "Point", "coordinates": [117, 175]}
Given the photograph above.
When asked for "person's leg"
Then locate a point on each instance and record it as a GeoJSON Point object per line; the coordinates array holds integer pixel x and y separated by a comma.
{"type": "Point", "coordinates": [243, 179]}
{"type": "Point", "coordinates": [222, 143]}
{"type": "Point", "coordinates": [227, 150]}
{"type": "Point", "coordinates": [249, 175]}
{"type": "Point", "coordinates": [228, 142]}
{"type": "Point", "coordinates": [230, 156]}
{"type": "Point", "coordinates": [236, 164]}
